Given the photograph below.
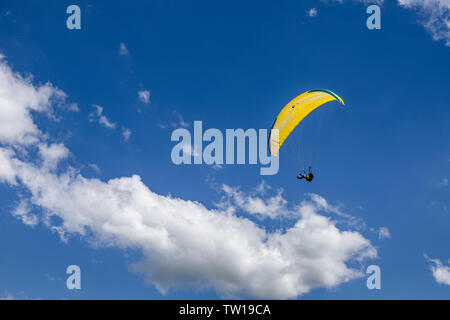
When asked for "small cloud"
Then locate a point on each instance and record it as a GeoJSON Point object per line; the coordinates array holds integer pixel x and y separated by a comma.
{"type": "Point", "coordinates": [123, 50]}
{"type": "Point", "coordinates": [161, 126]}
{"type": "Point", "coordinates": [23, 212]}
{"type": "Point", "coordinates": [144, 96]}
{"type": "Point", "coordinates": [126, 134]}
{"type": "Point", "coordinates": [312, 12]}
{"type": "Point", "coordinates": [179, 121]}
{"type": "Point", "coordinates": [97, 115]}
{"type": "Point", "coordinates": [441, 272]}
{"type": "Point", "coordinates": [384, 233]}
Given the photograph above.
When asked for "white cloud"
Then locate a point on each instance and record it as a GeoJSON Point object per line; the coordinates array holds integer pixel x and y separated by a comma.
{"type": "Point", "coordinates": [257, 203]}
{"type": "Point", "coordinates": [384, 233]}
{"type": "Point", "coordinates": [23, 212]}
{"type": "Point", "coordinates": [184, 242]}
{"type": "Point", "coordinates": [435, 16]}
{"type": "Point", "coordinates": [144, 96]}
{"type": "Point", "coordinates": [123, 50]}
{"type": "Point", "coordinates": [97, 115]}
{"type": "Point", "coordinates": [312, 12]}
{"type": "Point", "coordinates": [441, 272]}
{"type": "Point", "coordinates": [126, 134]}
{"type": "Point", "coordinates": [346, 218]}
{"type": "Point", "coordinates": [18, 98]}
{"type": "Point", "coordinates": [265, 203]}
{"type": "Point", "coordinates": [52, 154]}
{"type": "Point", "coordinates": [6, 170]}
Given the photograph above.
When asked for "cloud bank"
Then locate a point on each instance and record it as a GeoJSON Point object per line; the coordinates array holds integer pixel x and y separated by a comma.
{"type": "Point", "coordinates": [182, 242]}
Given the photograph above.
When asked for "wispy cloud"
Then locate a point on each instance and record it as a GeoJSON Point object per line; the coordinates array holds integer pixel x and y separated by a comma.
{"type": "Point", "coordinates": [94, 167]}
{"type": "Point", "coordinates": [312, 12]}
{"type": "Point", "coordinates": [178, 120]}
{"type": "Point", "coordinates": [144, 96]}
{"type": "Point", "coordinates": [384, 233]}
{"type": "Point", "coordinates": [126, 134]}
{"type": "Point", "coordinates": [23, 213]}
{"type": "Point", "coordinates": [123, 50]}
{"type": "Point", "coordinates": [434, 16]}
{"type": "Point", "coordinates": [257, 202]}
{"type": "Point", "coordinates": [97, 115]}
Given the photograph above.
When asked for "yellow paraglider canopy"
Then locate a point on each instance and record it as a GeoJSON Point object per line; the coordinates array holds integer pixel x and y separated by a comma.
{"type": "Point", "coordinates": [294, 112]}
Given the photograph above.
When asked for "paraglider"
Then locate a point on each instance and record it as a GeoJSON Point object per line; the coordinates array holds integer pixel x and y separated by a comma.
{"type": "Point", "coordinates": [293, 113]}
{"type": "Point", "coordinates": [307, 176]}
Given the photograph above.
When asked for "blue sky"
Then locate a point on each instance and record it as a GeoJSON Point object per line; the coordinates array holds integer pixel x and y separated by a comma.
{"type": "Point", "coordinates": [383, 159]}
